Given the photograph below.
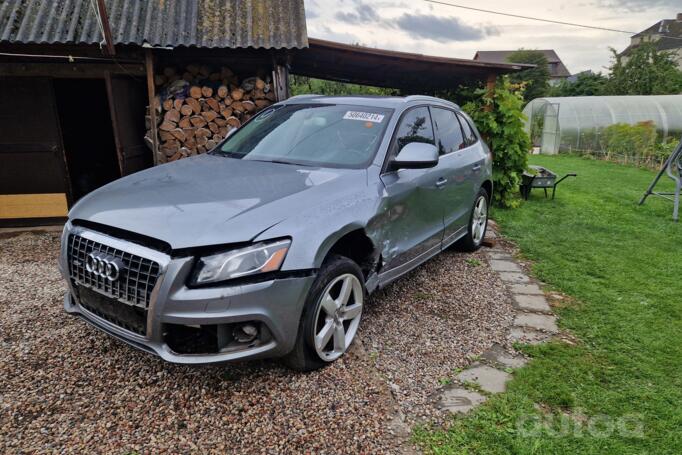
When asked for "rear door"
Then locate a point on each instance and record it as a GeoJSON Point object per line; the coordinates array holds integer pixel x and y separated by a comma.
{"type": "Point", "coordinates": [452, 147]}
{"type": "Point", "coordinates": [414, 219]}
{"type": "Point", "coordinates": [468, 175]}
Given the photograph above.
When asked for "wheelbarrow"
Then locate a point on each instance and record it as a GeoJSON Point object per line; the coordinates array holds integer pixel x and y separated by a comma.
{"type": "Point", "coordinates": [540, 177]}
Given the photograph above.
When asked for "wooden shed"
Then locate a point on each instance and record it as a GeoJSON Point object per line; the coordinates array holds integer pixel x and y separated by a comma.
{"type": "Point", "coordinates": [76, 78]}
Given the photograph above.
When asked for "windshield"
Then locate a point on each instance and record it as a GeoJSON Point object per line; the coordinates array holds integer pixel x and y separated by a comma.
{"type": "Point", "coordinates": [325, 135]}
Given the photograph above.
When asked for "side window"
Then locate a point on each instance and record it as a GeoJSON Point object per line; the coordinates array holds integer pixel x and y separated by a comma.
{"type": "Point", "coordinates": [448, 131]}
{"type": "Point", "coordinates": [469, 135]}
{"type": "Point", "coordinates": [415, 126]}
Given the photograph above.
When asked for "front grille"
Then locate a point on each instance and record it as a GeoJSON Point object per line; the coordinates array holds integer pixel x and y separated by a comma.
{"type": "Point", "coordinates": [135, 283]}
{"type": "Point", "coordinates": [131, 318]}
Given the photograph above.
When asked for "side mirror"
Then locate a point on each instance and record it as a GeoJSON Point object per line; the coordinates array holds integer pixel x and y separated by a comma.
{"type": "Point", "coordinates": [415, 155]}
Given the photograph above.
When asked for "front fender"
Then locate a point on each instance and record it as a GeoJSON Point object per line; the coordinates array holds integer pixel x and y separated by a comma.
{"type": "Point", "coordinates": [314, 231]}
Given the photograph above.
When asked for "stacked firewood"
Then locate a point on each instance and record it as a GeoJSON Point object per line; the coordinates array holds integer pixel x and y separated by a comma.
{"type": "Point", "coordinates": [197, 108]}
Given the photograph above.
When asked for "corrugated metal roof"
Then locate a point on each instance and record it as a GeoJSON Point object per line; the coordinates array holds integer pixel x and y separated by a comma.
{"type": "Point", "coordinates": [556, 70]}
{"type": "Point", "coordinates": [167, 23]}
{"type": "Point", "coordinates": [386, 68]}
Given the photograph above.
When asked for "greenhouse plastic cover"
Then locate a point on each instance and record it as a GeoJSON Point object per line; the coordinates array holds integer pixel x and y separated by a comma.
{"type": "Point", "coordinates": [575, 123]}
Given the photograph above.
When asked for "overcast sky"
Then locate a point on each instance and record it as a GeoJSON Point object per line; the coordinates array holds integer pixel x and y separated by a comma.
{"type": "Point", "coordinates": [419, 26]}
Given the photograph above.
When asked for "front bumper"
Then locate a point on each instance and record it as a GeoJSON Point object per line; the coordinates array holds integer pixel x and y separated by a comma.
{"type": "Point", "coordinates": [277, 304]}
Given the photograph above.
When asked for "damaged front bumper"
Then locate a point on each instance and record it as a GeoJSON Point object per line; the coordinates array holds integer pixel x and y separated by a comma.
{"type": "Point", "coordinates": [196, 325]}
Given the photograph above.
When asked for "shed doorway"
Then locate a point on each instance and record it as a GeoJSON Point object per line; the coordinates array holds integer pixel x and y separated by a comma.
{"type": "Point", "coordinates": [87, 134]}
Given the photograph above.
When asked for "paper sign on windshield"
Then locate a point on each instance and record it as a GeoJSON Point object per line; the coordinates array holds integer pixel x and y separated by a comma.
{"type": "Point", "coordinates": [363, 116]}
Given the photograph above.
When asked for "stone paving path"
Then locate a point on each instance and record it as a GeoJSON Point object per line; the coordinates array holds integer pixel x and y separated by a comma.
{"type": "Point", "coordinates": [534, 323]}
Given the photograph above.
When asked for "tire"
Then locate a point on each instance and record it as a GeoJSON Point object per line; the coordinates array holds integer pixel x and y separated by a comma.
{"type": "Point", "coordinates": [476, 232]}
{"type": "Point", "coordinates": [326, 311]}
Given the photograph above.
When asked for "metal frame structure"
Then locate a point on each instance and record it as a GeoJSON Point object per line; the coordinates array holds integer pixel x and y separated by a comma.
{"type": "Point", "coordinates": [672, 167]}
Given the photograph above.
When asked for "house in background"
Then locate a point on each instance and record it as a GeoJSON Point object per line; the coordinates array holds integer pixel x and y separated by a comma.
{"type": "Point", "coordinates": [665, 34]}
{"type": "Point", "coordinates": [557, 70]}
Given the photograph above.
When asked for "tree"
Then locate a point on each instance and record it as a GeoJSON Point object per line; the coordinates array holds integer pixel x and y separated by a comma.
{"type": "Point", "coordinates": [586, 84]}
{"type": "Point", "coordinates": [535, 79]}
{"type": "Point", "coordinates": [645, 71]}
{"type": "Point", "coordinates": [500, 120]}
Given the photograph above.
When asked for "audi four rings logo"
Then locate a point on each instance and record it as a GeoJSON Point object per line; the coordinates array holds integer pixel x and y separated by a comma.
{"type": "Point", "coordinates": [104, 266]}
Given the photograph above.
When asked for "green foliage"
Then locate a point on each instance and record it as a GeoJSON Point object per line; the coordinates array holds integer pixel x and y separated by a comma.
{"type": "Point", "coordinates": [536, 79]}
{"type": "Point", "coordinates": [586, 84]}
{"type": "Point", "coordinates": [645, 71]}
{"type": "Point", "coordinates": [301, 85]}
{"type": "Point", "coordinates": [663, 149]}
{"type": "Point", "coordinates": [500, 120]}
{"type": "Point", "coordinates": [624, 139]}
{"type": "Point", "coordinates": [537, 125]}
{"type": "Point", "coordinates": [636, 144]}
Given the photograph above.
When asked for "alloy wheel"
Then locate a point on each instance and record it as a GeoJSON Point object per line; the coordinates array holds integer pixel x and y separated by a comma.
{"type": "Point", "coordinates": [338, 316]}
{"type": "Point", "coordinates": [479, 219]}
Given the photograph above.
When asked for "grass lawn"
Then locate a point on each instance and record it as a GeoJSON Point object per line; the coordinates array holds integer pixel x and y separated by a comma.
{"type": "Point", "coordinates": [619, 388]}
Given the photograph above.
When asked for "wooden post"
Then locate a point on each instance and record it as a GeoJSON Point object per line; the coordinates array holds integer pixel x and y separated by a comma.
{"type": "Point", "coordinates": [280, 82]}
{"type": "Point", "coordinates": [149, 66]}
{"type": "Point", "coordinates": [280, 78]}
{"type": "Point", "coordinates": [114, 123]}
{"type": "Point", "coordinates": [108, 40]}
{"type": "Point", "coordinates": [490, 87]}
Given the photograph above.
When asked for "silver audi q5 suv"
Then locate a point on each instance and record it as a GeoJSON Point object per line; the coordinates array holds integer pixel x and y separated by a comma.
{"type": "Point", "coordinates": [269, 245]}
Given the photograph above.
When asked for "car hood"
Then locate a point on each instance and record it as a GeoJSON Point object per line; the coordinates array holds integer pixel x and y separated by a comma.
{"type": "Point", "coordinates": [211, 200]}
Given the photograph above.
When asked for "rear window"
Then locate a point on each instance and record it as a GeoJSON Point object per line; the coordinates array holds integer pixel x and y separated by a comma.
{"type": "Point", "coordinates": [469, 135]}
{"type": "Point", "coordinates": [449, 132]}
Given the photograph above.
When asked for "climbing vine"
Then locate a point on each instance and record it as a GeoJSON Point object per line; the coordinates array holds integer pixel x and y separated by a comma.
{"type": "Point", "coordinates": [500, 120]}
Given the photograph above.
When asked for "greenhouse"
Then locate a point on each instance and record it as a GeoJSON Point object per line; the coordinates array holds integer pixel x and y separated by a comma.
{"type": "Point", "coordinates": [576, 123]}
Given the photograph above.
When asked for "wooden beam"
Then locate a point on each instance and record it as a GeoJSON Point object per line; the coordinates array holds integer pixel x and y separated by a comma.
{"type": "Point", "coordinates": [106, 29]}
{"type": "Point", "coordinates": [47, 205]}
{"type": "Point", "coordinates": [490, 88]}
{"type": "Point", "coordinates": [114, 125]}
{"type": "Point", "coordinates": [151, 91]}
{"type": "Point", "coordinates": [280, 81]}
{"type": "Point", "coordinates": [70, 70]}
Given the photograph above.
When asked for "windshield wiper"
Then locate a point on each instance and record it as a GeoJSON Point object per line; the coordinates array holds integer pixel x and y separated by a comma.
{"type": "Point", "coordinates": [292, 163]}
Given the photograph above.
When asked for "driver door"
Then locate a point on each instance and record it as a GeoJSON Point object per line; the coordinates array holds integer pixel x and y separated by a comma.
{"type": "Point", "coordinates": [413, 217]}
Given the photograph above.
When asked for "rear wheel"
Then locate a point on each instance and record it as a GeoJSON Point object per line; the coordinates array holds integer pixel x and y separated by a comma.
{"type": "Point", "coordinates": [331, 316]}
{"type": "Point", "coordinates": [478, 223]}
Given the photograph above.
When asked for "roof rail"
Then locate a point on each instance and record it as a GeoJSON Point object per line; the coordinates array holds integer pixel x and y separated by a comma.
{"type": "Point", "coordinates": [428, 98]}
{"type": "Point", "coordinates": [298, 97]}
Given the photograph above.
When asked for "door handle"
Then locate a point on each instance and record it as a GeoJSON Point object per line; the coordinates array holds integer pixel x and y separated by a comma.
{"type": "Point", "coordinates": [440, 183]}
{"type": "Point", "coordinates": [477, 167]}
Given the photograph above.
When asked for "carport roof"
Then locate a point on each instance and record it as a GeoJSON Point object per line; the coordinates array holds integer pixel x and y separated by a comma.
{"type": "Point", "coordinates": [393, 69]}
{"type": "Point", "coordinates": [270, 24]}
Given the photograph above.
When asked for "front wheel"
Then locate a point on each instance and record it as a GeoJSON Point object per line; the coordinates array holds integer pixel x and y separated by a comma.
{"type": "Point", "coordinates": [331, 316]}
{"type": "Point", "coordinates": [478, 223]}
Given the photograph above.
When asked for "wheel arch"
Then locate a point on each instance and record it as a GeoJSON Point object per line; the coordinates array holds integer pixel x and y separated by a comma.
{"type": "Point", "coordinates": [353, 243]}
{"type": "Point", "coordinates": [487, 185]}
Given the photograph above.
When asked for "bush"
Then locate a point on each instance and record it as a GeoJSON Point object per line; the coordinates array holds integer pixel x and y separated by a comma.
{"type": "Point", "coordinates": [500, 120]}
{"type": "Point", "coordinates": [637, 144]}
{"type": "Point", "coordinates": [663, 150]}
{"type": "Point", "coordinates": [629, 140]}
{"type": "Point", "coordinates": [302, 85]}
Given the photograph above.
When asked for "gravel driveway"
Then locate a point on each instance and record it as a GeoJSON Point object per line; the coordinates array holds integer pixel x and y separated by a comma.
{"type": "Point", "coordinates": [67, 388]}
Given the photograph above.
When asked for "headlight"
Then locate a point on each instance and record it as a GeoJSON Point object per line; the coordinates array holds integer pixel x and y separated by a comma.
{"type": "Point", "coordinates": [254, 259]}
